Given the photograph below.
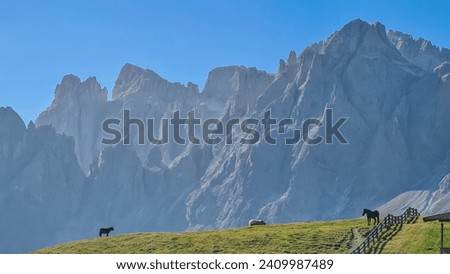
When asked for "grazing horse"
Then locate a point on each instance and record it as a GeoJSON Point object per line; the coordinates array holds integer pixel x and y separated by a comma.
{"type": "Point", "coordinates": [375, 215]}
{"type": "Point", "coordinates": [105, 231]}
{"type": "Point", "coordinates": [253, 222]}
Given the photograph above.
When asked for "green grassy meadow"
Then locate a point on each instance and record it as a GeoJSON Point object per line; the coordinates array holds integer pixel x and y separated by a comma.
{"type": "Point", "coordinates": [333, 237]}
{"type": "Point", "coordinates": [419, 238]}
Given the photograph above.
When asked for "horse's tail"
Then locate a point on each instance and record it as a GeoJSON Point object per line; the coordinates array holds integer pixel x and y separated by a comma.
{"type": "Point", "coordinates": [100, 233]}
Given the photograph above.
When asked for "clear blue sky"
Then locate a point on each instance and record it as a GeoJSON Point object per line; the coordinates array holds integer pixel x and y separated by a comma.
{"type": "Point", "coordinates": [40, 41]}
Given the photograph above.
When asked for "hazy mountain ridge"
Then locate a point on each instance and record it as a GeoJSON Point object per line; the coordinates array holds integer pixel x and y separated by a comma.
{"type": "Point", "coordinates": [394, 89]}
{"type": "Point", "coordinates": [41, 184]}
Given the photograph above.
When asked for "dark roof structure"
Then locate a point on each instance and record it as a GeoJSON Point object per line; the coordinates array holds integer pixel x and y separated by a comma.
{"type": "Point", "coordinates": [443, 217]}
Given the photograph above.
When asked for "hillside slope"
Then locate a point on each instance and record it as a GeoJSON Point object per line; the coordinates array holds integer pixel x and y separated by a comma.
{"type": "Point", "coordinates": [418, 238]}
{"type": "Point", "coordinates": [308, 237]}
{"type": "Point", "coordinates": [301, 238]}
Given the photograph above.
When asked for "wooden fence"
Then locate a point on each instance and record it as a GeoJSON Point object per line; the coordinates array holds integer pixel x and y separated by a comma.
{"type": "Point", "coordinates": [445, 250]}
{"type": "Point", "coordinates": [388, 221]}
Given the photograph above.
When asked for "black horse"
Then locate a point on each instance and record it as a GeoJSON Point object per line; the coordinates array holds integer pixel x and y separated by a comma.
{"type": "Point", "coordinates": [105, 231]}
{"type": "Point", "coordinates": [375, 215]}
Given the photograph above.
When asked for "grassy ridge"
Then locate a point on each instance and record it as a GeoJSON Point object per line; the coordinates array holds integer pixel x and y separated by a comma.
{"type": "Point", "coordinates": [419, 238]}
{"type": "Point", "coordinates": [311, 237]}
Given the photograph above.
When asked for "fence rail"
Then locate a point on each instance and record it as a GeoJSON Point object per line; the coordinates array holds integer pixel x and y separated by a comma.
{"type": "Point", "coordinates": [388, 221]}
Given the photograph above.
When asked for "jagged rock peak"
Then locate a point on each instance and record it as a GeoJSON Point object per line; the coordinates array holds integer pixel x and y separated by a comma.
{"type": "Point", "coordinates": [31, 126]}
{"type": "Point", "coordinates": [227, 71]}
{"type": "Point", "coordinates": [7, 111]}
{"type": "Point", "coordinates": [70, 80]}
{"type": "Point", "coordinates": [71, 85]}
{"type": "Point", "coordinates": [222, 81]}
{"type": "Point", "coordinates": [129, 69]}
{"type": "Point", "coordinates": [11, 131]}
{"type": "Point", "coordinates": [420, 52]}
{"type": "Point", "coordinates": [290, 66]}
{"type": "Point", "coordinates": [356, 32]}
{"type": "Point", "coordinates": [131, 77]}
{"type": "Point", "coordinates": [281, 67]}
{"type": "Point", "coordinates": [401, 39]}
{"type": "Point", "coordinates": [359, 26]}
{"type": "Point", "coordinates": [292, 59]}
{"type": "Point", "coordinates": [8, 117]}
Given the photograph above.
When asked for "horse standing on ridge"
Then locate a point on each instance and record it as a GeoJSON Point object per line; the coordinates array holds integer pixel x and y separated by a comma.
{"type": "Point", "coordinates": [375, 215]}
{"type": "Point", "coordinates": [105, 231]}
